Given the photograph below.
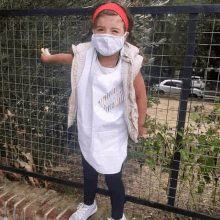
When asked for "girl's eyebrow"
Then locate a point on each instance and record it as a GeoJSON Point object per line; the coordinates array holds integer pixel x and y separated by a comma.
{"type": "Point", "coordinates": [100, 26]}
{"type": "Point", "coordinates": [104, 27]}
{"type": "Point", "coordinates": [115, 28]}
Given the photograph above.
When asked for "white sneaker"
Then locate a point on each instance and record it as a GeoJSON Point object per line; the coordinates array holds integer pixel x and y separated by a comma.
{"type": "Point", "coordinates": [84, 211]}
{"type": "Point", "coordinates": [123, 218]}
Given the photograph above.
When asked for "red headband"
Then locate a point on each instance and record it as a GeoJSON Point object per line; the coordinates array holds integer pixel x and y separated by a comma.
{"type": "Point", "coordinates": [112, 7]}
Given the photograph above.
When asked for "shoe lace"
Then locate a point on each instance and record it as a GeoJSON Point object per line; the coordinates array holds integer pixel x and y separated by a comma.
{"type": "Point", "coordinates": [81, 210]}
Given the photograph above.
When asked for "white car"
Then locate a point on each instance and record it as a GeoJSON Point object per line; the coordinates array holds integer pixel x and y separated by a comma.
{"type": "Point", "coordinates": [197, 82]}
{"type": "Point", "coordinates": [173, 86]}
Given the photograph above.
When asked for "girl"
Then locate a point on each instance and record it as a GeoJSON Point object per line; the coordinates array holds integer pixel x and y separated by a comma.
{"type": "Point", "coordinates": [109, 96]}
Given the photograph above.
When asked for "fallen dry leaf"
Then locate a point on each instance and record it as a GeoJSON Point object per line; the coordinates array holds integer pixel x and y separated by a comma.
{"type": "Point", "coordinates": [61, 169]}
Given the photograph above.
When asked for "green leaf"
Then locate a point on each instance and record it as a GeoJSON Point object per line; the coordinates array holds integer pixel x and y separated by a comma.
{"type": "Point", "coordinates": [180, 134]}
{"type": "Point", "coordinates": [207, 165]}
{"type": "Point", "coordinates": [184, 154]}
{"type": "Point", "coordinates": [202, 169]}
{"type": "Point", "coordinates": [195, 116]}
{"type": "Point", "coordinates": [217, 107]}
{"type": "Point", "coordinates": [157, 146]}
{"type": "Point", "coordinates": [207, 178]}
{"type": "Point", "coordinates": [216, 150]}
{"type": "Point", "coordinates": [159, 135]}
{"type": "Point", "coordinates": [210, 162]}
{"type": "Point", "coordinates": [173, 139]}
{"type": "Point", "coordinates": [201, 187]}
{"type": "Point", "coordinates": [150, 162]}
{"type": "Point", "coordinates": [207, 119]}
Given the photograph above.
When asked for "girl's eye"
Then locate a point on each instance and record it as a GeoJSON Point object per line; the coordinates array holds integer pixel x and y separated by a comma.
{"type": "Point", "coordinates": [99, 29]}
{"type": "Point", "coordinates": [114, 31]}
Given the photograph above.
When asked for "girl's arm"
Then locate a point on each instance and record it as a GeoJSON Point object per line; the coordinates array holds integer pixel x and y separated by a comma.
{"type": "Point", "coordinates": [141, 99]}
{"type": "Point", "coordinates": [61, 58]}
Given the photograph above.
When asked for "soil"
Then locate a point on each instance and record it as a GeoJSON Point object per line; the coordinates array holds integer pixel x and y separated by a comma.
{"type": "Point", "coordinates": [167, 111]}
{"type": "Point", "coordinates": [144, 183]}
{"type": "Point", "coordinates": [139, 182]}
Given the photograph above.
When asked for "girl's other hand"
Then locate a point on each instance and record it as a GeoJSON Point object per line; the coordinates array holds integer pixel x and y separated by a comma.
{"type": "Point", "coordinates": [45, 55]}
{"type": "Point", "coordinates": [142, 132]}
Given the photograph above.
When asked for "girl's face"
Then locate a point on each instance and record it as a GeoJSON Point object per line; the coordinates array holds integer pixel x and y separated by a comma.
{"type": "Point", "coordinates": [110, 24]}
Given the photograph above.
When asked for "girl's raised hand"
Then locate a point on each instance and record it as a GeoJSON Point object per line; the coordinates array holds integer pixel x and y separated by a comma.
{"type": "Point", "coordinates": [45, 55]}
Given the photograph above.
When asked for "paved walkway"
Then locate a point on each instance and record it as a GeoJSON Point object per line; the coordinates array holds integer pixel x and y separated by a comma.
{"type": "Point", "coordinates": [21, 201]}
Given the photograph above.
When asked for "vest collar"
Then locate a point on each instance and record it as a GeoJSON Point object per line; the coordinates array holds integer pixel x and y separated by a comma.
{"type": "Point", "coordinates": [130, 51]}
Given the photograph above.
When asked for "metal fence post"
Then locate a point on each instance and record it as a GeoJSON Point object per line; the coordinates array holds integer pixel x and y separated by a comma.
{"type": "Point", "coordinates": [187, 71]}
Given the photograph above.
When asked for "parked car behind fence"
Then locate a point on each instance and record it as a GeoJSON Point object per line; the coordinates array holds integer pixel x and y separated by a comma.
{"type": "Point", "coordinates": [197, 82]}
{"type": "Point", "coordinates": [173, 86]}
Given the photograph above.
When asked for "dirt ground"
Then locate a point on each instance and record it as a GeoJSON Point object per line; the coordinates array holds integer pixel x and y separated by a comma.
{"type": "Point", "coordinates": [139, 182]}
{"type": "Point", "coordinates": [167, 111]}
{"type": "Point", "coordinates": [142, 182]}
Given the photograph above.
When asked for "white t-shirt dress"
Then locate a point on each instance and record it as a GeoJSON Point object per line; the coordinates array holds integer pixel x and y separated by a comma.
{"type": "Point", "coordinates": [102, 131]}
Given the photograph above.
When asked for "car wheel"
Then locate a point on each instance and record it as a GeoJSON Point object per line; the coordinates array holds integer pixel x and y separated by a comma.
{"type": "Point", "coordinates": [193, 95]}
{"type": "Point", "coordinates": [161, 92]}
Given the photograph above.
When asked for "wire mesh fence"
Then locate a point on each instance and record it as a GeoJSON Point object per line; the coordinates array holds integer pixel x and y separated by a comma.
{"type": "Point", "coordinates": [34, 99]}
{"type": "Point", "coordinates": [28, 4]}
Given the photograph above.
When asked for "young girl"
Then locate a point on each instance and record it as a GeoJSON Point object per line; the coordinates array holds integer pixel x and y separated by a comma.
{"type": "Point", "coordinates": [109, 96]}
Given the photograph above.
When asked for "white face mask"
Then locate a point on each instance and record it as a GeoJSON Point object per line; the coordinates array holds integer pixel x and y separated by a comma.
{"type": "Point", "coordinates": [107, 44]}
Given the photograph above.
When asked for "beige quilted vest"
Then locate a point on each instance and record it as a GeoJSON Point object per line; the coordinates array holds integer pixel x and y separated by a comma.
{"type": "Point", "coordinates": [131, 68]}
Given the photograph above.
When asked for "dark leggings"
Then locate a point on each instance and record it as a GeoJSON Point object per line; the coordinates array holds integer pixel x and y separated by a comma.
{"type": "Point", "coordinates": [114, 183]}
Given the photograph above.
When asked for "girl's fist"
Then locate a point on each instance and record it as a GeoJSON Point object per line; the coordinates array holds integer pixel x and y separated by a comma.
{"type": "Point", "coordinates": [45, 55]}
{"type": "Point", "coordinates": [142, 132]}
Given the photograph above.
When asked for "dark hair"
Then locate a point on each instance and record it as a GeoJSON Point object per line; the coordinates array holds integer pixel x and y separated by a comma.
{"type": "Point", "coordinates": [131, 38]}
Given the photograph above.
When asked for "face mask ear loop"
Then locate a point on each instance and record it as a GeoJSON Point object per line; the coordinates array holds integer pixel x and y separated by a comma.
{"type": "Point", "coordinates": [126, 35]}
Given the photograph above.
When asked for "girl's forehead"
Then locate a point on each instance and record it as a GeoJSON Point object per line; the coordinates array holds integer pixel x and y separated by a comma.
{"type": "Point", "coordinates": [110, 20]}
